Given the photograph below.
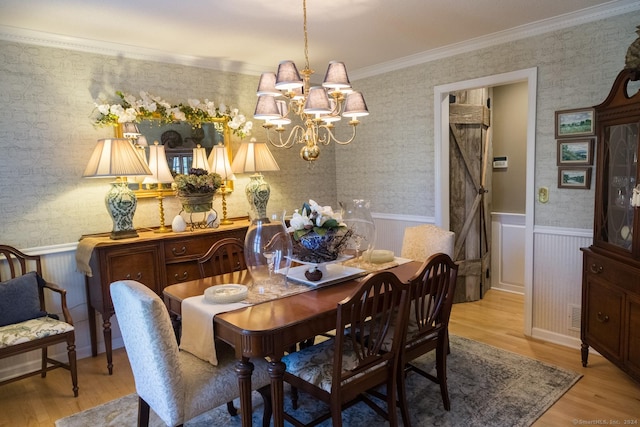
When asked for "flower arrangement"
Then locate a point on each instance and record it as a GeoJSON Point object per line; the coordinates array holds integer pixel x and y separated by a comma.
{"type": "Point", "coordinates": [318, 234]}
{"type": "Point", "coordinates": [150, 107]}
{"type": "Point", "coordinates": [198, 181]}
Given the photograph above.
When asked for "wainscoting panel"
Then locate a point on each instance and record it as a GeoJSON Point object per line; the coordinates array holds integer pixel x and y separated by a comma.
{"type": "Point", "coordinates": [557, 281]}
{"type": "Point", "coordinates": [390, 230]}
{"type": "Point", "coordinates": [507, 252]}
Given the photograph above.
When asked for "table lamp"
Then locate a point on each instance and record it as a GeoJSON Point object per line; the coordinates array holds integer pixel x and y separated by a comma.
{"type": "Point", "coordinates": [116, 158]}
{"type": "Point", "coordinates": [200, 159]}
{"type": "Point", "coordinates": [160, 174]}
{"type": "Point", "coordinates": [219, 163]}
{"type": "Point", "coordinates": [255, 157]}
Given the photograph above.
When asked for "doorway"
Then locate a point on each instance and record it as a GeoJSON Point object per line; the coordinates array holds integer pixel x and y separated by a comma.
{"type": "Point", "coordinates": [441, 147]}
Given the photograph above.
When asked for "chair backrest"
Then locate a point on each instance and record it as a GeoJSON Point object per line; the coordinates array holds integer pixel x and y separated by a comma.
{"type": "Point", "coordinates": [16, 264]}
{"type": "Point", "coordinates": [151, 347]}
{"type": "Point", "coordinates": [424, 240]}
{"type": "Point", "coordinates": [366, 319]}
{"type": "Point", "coordinates": [224, 256]}
{"type": "Point", "coordinates": [432, 290]}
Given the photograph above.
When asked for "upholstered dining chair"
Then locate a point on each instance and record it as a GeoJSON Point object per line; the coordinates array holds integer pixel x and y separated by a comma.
{"type": "Point", "coordinates": [25, 325]}
{"type": "Point", "coordinates": [431, 293]}
{"type": "Point", "coordinates": [175, 384]}
{"type": "Point", "coordinates": [423, 240]}
{"type": "Point", "coordinates": [340, 370]}
{"type": "Point", "coordinates": [224, 256]}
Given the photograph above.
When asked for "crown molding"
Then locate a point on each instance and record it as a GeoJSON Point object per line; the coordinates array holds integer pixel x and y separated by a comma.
{"type": "Point", "coordinates": [614, 8]}
{"type": "Point", "coordinates": [21, 35]}
{"type": "Point", "coordinates": [591, 14]}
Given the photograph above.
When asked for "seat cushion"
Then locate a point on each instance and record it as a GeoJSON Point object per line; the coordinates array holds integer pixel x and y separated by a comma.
{"type": "Point", "coordinates": [208, 386]}
{"type": "Point", "coordinates": [31, 330]}
{"type": "Point", "coordinates": [314, 364]}
{"type": "Point", "coordinates": [19, 299]}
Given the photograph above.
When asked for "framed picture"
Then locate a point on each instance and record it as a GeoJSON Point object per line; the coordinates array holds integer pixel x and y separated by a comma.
{"type": "Point", "coordinates": [572, 123]}
{"type": "Point", "coordinates": [575, 152]}
{"type": "Point", "coordinates": [574, 177]}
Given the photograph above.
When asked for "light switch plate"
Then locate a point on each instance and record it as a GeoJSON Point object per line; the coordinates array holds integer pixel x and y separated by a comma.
{"type": "Point", "coordinates": [543, 194]}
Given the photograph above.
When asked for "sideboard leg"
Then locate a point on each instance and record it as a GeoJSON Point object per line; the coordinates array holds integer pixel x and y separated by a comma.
{"type": "Point", "coordinates": [584, 351]}
{"type": "Point", "coordinates": [106, 330]}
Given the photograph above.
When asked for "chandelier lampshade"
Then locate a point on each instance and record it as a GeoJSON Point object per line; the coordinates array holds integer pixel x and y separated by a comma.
{"type": "Point", "coordinates": [314, 109]}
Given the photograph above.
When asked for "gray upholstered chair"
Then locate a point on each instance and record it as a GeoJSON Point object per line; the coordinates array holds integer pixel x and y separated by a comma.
{"type": "Point", "coordinates": [422, 241]}
{"type": "Point", "coordinates": [342, 369]}
{"type": "Point", "coordinates": [175, 384]}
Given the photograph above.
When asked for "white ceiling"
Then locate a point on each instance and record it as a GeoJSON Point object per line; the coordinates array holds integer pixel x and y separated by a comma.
{"type": "Point", "coordinates": [254, 35]}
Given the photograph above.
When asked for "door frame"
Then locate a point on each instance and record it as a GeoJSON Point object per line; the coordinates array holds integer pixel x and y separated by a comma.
{"type": "Point", "coordinates": [441, 167]}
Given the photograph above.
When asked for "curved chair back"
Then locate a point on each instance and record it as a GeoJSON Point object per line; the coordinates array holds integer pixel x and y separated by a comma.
{"type": "Point", "coordinates": [224, 256]}
{"type": "Point", "coordinates": [367, 318]}
{"type": "Point", "coordinates": [432, 290]}
{"type": "Point", "coordinates": [424, 240]}
{"type": "Point", "coordinates": [151, 347]}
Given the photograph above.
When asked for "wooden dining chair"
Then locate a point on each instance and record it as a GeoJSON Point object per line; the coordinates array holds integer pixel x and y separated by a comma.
{"type": "Point", "coordinates": [431, 293]}
{"type": "Point", "coordinates": [175, 384]}
{"type": "Point", "coordinates": [25, 324]}
{"type": "Point", "coordinates": [340, 370]}
{"type": "Point", "coordinates": [224, 256]}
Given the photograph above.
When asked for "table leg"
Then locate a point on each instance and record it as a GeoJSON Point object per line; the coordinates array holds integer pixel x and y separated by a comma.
{"type": "Point", "coordinates": [276, 372]}
{"type": "Point", "coordinates": [244, 368]}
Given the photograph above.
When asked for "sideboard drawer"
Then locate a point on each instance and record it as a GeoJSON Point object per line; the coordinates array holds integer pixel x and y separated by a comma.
{"type": "Point", "coordinates": [182, 272]}
{"type": "Point", "coordinates": [604, 317]}
{"type": "Point", "coordinates": [189, 247]}
{"type": "Point", "coordinates": [610, 271]}
{"type": "Point", "coordinates": [195, 245]}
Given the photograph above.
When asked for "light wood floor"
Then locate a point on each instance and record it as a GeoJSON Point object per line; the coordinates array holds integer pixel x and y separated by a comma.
{"type": "Point", "coordinates": [605, 395]}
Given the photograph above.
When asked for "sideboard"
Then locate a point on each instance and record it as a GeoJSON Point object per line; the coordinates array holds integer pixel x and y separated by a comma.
{"type": "Point", "coordinates": [154, 259]}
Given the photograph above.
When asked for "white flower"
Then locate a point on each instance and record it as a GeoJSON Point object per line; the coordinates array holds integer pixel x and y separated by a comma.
{"type": "Point", "coordinates": [103, 108]}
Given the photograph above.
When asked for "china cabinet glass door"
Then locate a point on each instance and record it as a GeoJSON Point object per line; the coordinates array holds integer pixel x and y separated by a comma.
{"type": "Point", "coordinates": [622, 149]}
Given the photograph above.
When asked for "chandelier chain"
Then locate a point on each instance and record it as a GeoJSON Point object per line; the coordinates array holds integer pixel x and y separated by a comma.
{"type": "Point", "coordinates": [306, 45]}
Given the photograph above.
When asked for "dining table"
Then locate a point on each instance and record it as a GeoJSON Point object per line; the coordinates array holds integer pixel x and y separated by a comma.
{"type": "Point", "coordinates": [271, 328]}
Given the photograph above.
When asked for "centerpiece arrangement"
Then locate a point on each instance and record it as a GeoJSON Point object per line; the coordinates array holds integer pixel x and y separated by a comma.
{"type": "Point", "coordinates": [318, 234]}
{"type": "Point", "coordinates": [195, 191]}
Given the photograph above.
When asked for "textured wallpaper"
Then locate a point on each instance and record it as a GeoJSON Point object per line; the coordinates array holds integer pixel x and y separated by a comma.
{"type": "Point", "coordinates": [393, 162]}
{"type": "Point", "coordinates": [47, 136]}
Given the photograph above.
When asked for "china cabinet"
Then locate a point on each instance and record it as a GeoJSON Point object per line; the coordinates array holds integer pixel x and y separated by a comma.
{"type": "Point", "coordinates": [611, 265]}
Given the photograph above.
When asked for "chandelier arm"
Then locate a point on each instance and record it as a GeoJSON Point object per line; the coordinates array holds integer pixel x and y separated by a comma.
{"type": "Point", "coordinates": [333, 137]}
{"type": "Point", "coordinates": [290, 141]}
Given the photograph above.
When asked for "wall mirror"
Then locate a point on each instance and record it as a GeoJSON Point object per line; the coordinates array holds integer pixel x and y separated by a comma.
{"type": "Point", "coordinates": [179, 139]}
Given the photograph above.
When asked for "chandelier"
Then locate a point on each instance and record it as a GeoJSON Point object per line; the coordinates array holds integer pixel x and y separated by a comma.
{"type": "Point", "coordinates": [314, 107]}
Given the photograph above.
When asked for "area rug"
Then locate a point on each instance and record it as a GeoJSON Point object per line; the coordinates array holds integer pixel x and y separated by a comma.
{"type": "Point", "coordinates": [487, 387]}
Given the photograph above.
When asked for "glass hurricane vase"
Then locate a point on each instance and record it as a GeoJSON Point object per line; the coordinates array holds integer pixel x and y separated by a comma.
{"type": "Point", "coordinates": [357, 216]}
{"type": "Point", "coordinates": [267, 252]}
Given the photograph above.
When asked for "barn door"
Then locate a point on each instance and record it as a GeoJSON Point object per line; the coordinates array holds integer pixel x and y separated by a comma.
{"type": "Point", "coordinates": [470, 200]}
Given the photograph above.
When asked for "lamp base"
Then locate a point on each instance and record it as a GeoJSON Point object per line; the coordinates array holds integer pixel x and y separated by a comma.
{"type": "Point", "coordinates": [258, 191]}
{"type": "Point", "coordinates": [121, 203]}
{"type": "Point", "coordinates": [123, 234]}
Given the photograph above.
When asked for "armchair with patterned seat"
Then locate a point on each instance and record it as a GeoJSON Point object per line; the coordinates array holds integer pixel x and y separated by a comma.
{"type": "Point", "coordinates": [25, 324]}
